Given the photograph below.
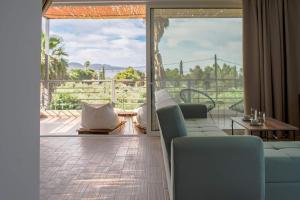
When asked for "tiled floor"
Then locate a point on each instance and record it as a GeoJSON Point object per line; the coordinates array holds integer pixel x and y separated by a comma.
{"type": "Point", "coordinates": [102, 167]}
{"type": "Point", "coordinates": [68, 125]}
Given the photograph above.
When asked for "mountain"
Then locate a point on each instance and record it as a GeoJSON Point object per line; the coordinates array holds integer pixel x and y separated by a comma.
{"type": "Point", "coordinates": [106, 67]}
{"type": "Point", "coordinates": [76, 65]}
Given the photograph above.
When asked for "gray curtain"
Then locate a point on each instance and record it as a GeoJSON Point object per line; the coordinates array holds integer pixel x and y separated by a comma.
{"type": "Point", "coordinates": [272, 57]}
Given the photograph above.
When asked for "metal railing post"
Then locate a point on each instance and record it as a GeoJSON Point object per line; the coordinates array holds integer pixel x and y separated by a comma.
{"type": "Point", "coordinates": [123, 103]}
{"type": "Point", "coordinates": [47, 95]}
{"type": "Point", "coordinates": [47, 61]}
{"type": "Point", "coordinates": [189, 86]}
{"type": "Point", "coordinates": [113, 91]}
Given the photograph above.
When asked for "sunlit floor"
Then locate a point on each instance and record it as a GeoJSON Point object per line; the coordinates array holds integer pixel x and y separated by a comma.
{"type": "Point", "coordinates": [102, 167]}
{"type": "Point", "coordinates": [68, 125]}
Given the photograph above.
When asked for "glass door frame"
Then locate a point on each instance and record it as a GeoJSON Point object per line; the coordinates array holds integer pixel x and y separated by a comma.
{"type": "Point", "coordinates": [233, 4]}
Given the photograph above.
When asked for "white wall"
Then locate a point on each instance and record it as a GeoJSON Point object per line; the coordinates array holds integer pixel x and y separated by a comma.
{"type": "Point", "coordinates": [19, 99]}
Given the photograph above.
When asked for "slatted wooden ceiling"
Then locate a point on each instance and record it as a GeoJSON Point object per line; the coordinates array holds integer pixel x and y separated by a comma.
{"type": "Point", "coordinates": [96, 12]}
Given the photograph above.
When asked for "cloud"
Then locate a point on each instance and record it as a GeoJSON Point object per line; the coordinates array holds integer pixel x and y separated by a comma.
{"type": "Point", "coordinates": [123, 42]}
{"type": "Point", "coordinates": [200, 38]}
{"type": "Point", "coordinates": [115, 42]}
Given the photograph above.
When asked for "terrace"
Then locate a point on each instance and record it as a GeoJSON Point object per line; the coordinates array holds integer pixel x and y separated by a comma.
{"type": "Point", "coordinates": [61, 104]}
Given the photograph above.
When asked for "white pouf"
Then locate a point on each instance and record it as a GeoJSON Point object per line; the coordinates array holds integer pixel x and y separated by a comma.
{"type": "Point", "coordinates": [95, 116]}
{"type": "Point", "coordinates": [141, 117]}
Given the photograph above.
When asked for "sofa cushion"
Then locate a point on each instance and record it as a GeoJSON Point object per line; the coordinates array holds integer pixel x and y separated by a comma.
{"type": "Point", "coordinates": [223, 168]}
{"type": "Point", "coordinates": [282, 161]}
{"type": "Point", "coordinates": [172, 124]}
{"type": "Point", "coordinates": [206, 133]}
{"type": "Point", "coordinates": [203, 127]}
{"type": "Point", "coordinates": [191, 111]}
{"type": "Point", "coordinates": [200, 122]}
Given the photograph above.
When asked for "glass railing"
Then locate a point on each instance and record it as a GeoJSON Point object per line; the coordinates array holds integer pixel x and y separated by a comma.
{"type": "Point", "coordinates": [131, 94]}
{"type": "Point", "coordinates": [226, 94]}
{"type": "Point", "coordinates": [69, 95]}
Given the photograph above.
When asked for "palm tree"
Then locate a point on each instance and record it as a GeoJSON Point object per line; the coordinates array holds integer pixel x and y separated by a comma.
{"type": "Point", "coordinates": [160, 24]}
{"type": "Point", "coordinates": [87, 64]}
{"type": "Point", "coordinates": [57, 61]}
{"type": "Point", "coordinates": [181, 68]}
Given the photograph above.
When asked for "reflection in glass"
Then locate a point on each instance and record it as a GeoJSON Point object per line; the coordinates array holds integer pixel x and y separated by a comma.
{"type": "Point", "coordinates": [199, 50]}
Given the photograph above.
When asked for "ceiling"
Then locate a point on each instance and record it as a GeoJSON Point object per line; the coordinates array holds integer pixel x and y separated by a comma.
{"type": "Point", "coordinates": [127, 9]}
{"type": "Point", "coordinates": [167, 2]}
{"type": "Point", "coordinates": [135, 11]}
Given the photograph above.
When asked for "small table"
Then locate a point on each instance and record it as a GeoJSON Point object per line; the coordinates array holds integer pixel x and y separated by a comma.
{"type": "Point", "coordinates": [269, 125]}
{"type": "Point", "coordinates": [127, 113]}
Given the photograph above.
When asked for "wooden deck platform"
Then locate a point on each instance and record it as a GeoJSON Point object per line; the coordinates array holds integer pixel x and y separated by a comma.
{"type": "Point", "coordinates": [68, 125]}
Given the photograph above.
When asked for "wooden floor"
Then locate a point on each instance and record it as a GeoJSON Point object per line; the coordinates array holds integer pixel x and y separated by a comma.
{"type": "Point", "coordinates": [53, 125]}
{"type": "Point", "coordinates": [102, 167]}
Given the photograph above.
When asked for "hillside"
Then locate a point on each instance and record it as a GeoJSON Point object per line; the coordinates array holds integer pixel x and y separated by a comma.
{"type": "Point", "coordinates": [107, 67]}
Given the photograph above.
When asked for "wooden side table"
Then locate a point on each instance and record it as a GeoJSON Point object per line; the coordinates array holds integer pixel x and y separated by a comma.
{"type": "Point", "coordinates": [269, 126]}
{"type": "Point", "coordinates": [127, 114]}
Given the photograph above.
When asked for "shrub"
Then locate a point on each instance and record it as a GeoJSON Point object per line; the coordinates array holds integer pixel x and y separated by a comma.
{"type": "Point", "coordinates": [79, 74]}
{"type": "Point", "coordinates": [65, 102]}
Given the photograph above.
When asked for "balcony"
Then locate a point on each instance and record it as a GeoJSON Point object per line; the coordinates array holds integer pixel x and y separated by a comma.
{"type": "Point", "coordinates": [69, 95]}
{"type": "Point", "coordinates": [61, 102]}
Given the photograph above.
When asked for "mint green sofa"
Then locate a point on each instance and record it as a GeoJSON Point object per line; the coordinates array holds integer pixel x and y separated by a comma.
{"type": "Point", "coordinates": [202, 162]}
{"type": "Point", "coordinates": [282, 161]}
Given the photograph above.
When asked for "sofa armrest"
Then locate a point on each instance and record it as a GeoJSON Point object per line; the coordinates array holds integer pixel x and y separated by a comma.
{"type": "Point", "coordinates": [215, 168]}
{"type": "Point", "coordinates": [190, 111]}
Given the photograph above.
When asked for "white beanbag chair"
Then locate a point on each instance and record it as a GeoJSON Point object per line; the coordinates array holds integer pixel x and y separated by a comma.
{"type": "Point", "coordinates": [141, 117]}
{"type": "Point", "coordinates": [99, 116]}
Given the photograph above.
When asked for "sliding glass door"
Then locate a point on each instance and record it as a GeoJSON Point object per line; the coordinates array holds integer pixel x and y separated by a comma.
{"type": "Point", "coordinates": [196, 54]}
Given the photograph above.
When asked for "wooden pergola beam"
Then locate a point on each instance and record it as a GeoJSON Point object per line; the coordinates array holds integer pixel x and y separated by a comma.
{"type": "Point", "coordinates": [97, 12]}
{"type": "Point", "coordinates": [46, 5]}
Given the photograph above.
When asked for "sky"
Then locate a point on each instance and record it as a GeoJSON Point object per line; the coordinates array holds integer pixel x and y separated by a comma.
{"type": "Point", "coordinates": [115, 42]}
{"type": "Point", "coordinates": [123, 42]}
{"type": "Point", "coordinates": [197, 40]}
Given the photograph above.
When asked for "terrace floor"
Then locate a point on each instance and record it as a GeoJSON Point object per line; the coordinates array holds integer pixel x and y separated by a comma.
{"type": "Point", "coordinates": [102, 167]}
{"type": "Point", "coordinates": [68, 125]}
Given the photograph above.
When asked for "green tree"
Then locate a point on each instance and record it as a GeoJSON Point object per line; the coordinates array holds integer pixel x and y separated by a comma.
{"type": "Point", "coordinates": [241, 73]}
{"type": "Point", "coordinates": [172, 74]}
{"type": "Point", "coordinates": [103, 73]}
{"type": "Point", "coordinates": [196, 73]}
{"type": "Point", "coordinates": [80, 74]}
{"type": "Point", "coordinates": [87, 64]}
{"type": "Point", "coordinates": [57, 59]}
{"type": "Point", "coordinates": [208, 74]}
{"type": "Point", "coordinates": [227, 71]}
{"type": "Point", "coordinates": [130, 74]}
